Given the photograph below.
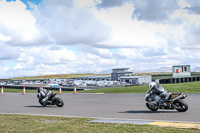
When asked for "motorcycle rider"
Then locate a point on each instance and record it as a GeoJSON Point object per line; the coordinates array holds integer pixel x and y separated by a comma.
{"type": "Point", "coordinates": [44, 93]}
{"type": "Point", "coordinates": [161, 92]}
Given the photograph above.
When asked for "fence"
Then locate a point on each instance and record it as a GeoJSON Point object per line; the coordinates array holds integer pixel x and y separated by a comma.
{"type": "Point", "coordinates": [48, 88]}
{"type": "Point", "coordinates": [179, 80]}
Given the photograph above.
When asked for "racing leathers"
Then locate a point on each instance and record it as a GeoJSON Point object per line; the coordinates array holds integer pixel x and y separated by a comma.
{"type": "Point", "coordinates": [45, 94]}
{"type": "Point", "coordinates": [162, 93]}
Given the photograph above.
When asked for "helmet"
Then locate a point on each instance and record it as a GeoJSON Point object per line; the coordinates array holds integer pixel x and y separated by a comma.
{"type": "Point", "coordinates": [152, 85]}
{"type": "Point", "coordinates": [39, 89]}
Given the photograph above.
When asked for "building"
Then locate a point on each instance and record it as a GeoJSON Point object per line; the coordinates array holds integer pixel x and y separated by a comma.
{"type": "Point", "coordinates": [135, 80]}
{"type": "Point", "coordinates": [118, 72]}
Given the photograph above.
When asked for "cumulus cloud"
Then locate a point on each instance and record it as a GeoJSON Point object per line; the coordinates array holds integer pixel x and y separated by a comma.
{"type": "Point", "coordinates": [55, 37]}
{"type": "Point", "coordinates": [55, 47]}
{"type": "Point", "coordinates": [18, 25]}
{"type": "Point", "coordinates": [8, 52]}
{"type": "Point", "coordinates": [154, 10]}
{"type": "Point", "coordinates": [125, 31]}
{"type": "Point", "coordinates": [194, 7]}
{"type": "Point", "coordinates": [103, 53]}
{"type": "Point", "coordinates": [192, 38]}
{"type": "Point", "coordinates": [47, 56]}
{"type": "Point", "coordinates": [68, 25]}
{"type": "Point", "coordinates": [36, 61]}
{"type": "Point", "coordinates": [110, 3]}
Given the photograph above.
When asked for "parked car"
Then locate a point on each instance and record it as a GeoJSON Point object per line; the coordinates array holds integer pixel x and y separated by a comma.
{"type": "Point", "coordinates": [2, 83]}
{"type": "Point", "coordinates": [128, 84]}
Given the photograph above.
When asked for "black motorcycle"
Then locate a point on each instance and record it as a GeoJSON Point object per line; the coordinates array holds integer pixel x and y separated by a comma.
{"type": "Point", "coordinates": [175, 101]}
{"type": "Point", "coordinates": [52, 100]}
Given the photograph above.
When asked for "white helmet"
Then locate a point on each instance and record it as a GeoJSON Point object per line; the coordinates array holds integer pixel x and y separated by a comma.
{"type": "Point", "coordinates": [152, 85]}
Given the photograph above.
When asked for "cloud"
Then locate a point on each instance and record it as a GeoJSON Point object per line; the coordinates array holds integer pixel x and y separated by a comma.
{"type": "Point", "coordinates": [194, 7]}
{"type": "Point", "coordinates": [18, 24]}
{"type": "Point", "coordinates": [155, 52]}
{"type": "Point", "coordinates": [154, 10]}
{"type": "Point", "coordinates": [100, 52]}
{"type": "Point", "coordinates": [125, 31]}
{"type": "Point", "coordinates": [8, 52]}
{"type": "Point", "coordinates": [55, 47]}
{"type": "Point", "coordinates": [192, 38]}
{"type": "Point", "coordinates": [110, 3]}
{"type": "Point", "coordinates": [35, 61]}
{"type": "Point", "coordinates": [56, 37]}
{"type": "Point", "coordinates": [68, 25]}
{"type": "Point", "coordinates": [47, 56]}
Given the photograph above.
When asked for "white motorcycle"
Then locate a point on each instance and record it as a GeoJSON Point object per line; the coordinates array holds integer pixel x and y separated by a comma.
{"type": "Point", "coordinates": [175, 101]}
{"type": "Point", "coordinates": [51, 101]}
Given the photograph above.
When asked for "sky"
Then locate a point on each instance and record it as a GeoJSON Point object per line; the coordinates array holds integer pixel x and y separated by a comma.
{"type": "Point", "coordinates": [41, 37]}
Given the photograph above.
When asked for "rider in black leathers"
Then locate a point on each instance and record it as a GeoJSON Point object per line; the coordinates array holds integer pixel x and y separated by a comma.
{"type": "Point", "coordinates": [161, 92]}
{"type": "Point", "coordinates": [44, 93]}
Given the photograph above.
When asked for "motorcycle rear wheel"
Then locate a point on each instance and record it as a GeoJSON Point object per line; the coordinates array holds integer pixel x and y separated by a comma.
{"type": "Point", "coordinates": [183, 105]}
{"type": "Point", "coordinates": [59, 102]}
{"type": "Point", "coordinates": [151, 107]}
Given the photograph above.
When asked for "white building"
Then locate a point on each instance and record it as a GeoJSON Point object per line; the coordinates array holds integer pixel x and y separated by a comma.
{"type": "Point", "coordinates": [143, 79]}
{"type": "Point", "coordinates": [119, 72]}
{"type": "Point", "coordinates": [120, 75]}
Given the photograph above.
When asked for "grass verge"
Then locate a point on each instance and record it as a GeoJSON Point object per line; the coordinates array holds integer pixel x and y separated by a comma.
{"type": "Point", "coordinates": [49, 124]}
{"type": "Point", "coordinates": [190, 87]}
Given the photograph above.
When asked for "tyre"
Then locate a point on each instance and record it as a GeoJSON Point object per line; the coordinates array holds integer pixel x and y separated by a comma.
{"type": "Point", "coordinates": [181, 105]}
{"type": "Point", "coordinates": [40, 101]}
{"type": "Point", "coordinates": [152, 108]}
{"type": "Point", "coordinates": [59, 102]}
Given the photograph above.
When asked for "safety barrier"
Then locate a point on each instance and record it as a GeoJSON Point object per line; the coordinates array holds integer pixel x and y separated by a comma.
{"type": "Point", "coordinates": [178, 80]}
{"type": "Point", "coordinates": [45, 87]}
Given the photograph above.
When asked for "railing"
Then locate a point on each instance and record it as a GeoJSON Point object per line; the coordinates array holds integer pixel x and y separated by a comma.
{"type": "Point", "coordinates": [179, 80]}
{"type": "Point", "coordinates": [45, 87]}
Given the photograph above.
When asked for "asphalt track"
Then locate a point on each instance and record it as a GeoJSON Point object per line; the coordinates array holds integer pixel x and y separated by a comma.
{"type": "Point", "coordinates": [113, 106]}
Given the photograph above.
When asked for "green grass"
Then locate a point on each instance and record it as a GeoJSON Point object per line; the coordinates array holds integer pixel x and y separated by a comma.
{"type": "Point", "coordinates": [133, 89]}
{"type": "Point", "coordinates": [51, 124]}
{"type": "Point", "coordinates": [18, 91]}
{"type": "Point", "coordinates": [189, 87]}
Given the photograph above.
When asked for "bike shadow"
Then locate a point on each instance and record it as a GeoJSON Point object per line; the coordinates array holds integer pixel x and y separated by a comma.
{"type": "Point", "coordinates": [33, 106]}
{"type": "Point", "coordinates": [149, 111]}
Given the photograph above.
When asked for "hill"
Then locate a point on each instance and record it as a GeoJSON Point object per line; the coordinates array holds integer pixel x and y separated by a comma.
{"type": "Point", "coordinates": [59, 76]}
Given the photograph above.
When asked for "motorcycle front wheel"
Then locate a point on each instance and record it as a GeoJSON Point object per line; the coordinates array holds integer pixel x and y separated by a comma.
{"type": "Point", "coordinates": [152, 108]}
{"type": "Point", "coordinates": [58, 102]}
{"type": "Point", "coordinates": [40, 101]}
{"type": "Point", "coordinates": [181, 105]}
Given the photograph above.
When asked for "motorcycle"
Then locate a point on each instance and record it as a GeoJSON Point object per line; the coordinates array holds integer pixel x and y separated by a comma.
{"type": "Point", "coordinates": [51, 101]}
{"type": "Point", "coordinates": [175, 101]}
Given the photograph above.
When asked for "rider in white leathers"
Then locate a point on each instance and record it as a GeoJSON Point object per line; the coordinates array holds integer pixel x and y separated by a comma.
{"type": "Point", "coordinates": [44, 93]}
{"type": "Point", "coordinates": [159, 91]}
